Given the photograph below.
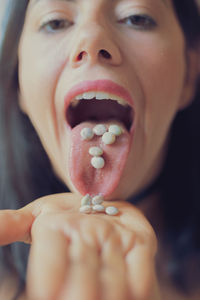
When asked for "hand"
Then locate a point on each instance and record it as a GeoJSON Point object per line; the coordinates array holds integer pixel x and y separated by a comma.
{"type": "Point", "coordinates": [76, 256]}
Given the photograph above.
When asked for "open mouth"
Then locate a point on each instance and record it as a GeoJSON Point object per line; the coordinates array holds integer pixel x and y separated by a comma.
{"type": "Point", "coordinates": [95, 110]}
{"type": "Point", "coordinates": [87, 106]}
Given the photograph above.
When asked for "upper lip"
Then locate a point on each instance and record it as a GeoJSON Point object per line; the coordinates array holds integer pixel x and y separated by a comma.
{"type": "Point", "coordinates": [98, 85]}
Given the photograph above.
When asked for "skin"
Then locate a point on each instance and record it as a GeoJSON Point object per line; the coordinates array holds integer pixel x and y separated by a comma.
{"type": "Point", "coordinates": [150, 62]}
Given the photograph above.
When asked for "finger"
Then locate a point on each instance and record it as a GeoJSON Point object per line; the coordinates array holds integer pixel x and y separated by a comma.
{"type": "Point", "coordinates": [48, 262]}
{"type": "Point", "coordinates": [82, 281]}
{"type": "Point", "coordinates": [15, 226]}
{"type": "Point", "coordinates": [113, 274]}
{"type": "Point", "coordinates": [134, 219]}
{"type": "Point", "coordinates": [141, 273]}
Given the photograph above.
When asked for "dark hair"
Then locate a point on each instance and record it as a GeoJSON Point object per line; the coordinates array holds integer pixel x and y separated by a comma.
{"type": "Point", "coordinates": [180, 177]}
{"type": "Point", "coordinates": [26, 172]}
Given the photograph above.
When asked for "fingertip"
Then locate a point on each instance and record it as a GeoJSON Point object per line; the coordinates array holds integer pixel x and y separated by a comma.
{"type": "Point", "coordinates": [15, 226]}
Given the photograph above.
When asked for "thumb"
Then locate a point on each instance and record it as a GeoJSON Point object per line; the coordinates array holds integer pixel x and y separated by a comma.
{"type": "Point", "coordinates": [15, 225]}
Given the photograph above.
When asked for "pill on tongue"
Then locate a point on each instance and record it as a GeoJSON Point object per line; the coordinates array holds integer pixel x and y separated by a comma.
{"type": "Point", "coordinates": [87, 133]}
{"type": "Point", "coordinates": [95, 151]}
{"type": "Point", "coordinates": [97, 162]}
{"type": "Point", "coordinates": [115, 129]}
{"type": "Point", "coordinates": [108, 138]}
{"type": "Point", "coordinates": [99, 129]}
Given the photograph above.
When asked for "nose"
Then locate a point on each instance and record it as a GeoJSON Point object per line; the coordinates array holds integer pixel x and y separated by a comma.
{"type": "Point", "coordinates": [94, 44]}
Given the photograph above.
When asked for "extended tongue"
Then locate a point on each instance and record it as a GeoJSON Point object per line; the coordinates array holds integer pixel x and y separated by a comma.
{"type": "Point", "coordinates": [84, 176]}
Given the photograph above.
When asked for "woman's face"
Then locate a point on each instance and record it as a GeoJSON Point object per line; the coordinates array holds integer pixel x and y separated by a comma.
{"type": "Point", "coordinates": [137, 44]}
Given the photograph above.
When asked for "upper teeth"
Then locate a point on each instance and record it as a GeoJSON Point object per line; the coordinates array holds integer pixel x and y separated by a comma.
{"type": "Point", "coordinates": [98, 96]}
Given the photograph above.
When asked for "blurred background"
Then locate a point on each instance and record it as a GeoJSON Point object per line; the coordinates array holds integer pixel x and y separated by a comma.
{"type": "Point", "coordinates": [2, 7]}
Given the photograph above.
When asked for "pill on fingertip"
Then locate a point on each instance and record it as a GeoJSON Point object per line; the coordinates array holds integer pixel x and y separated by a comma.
{"type": "Point", "coordinates": [86, 200]}
{"type": "Point", "coordinates": [98, 208]}
{"type": "Point", "coordinates": [95, 151]}
{"type": "Point", "coordinates": [111, 210]}
{"type": "Point", "coordinates": [97, 162]}
{"type": "Point", "coordinates": [108, 138]}
{"type": "Point", "coordinates": [99, 129]}
{"type": "Point", "coordinates": [98, 199]}
{"type": "Point", "coordinates": [87, 133]}
{"type": "Point", "coordinates": [115, 129]}
{"type": "Point", "coordinates": [86, 209]}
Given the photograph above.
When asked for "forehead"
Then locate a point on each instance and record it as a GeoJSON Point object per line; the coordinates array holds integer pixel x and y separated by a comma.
{"type": "Point", "coordinates": [32, 2]}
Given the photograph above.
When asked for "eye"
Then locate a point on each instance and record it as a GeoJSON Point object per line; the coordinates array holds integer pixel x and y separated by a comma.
{"type": "Point", "coordinates": [54, 25]}
{"type": "Point", "coordinates": [140, 21]}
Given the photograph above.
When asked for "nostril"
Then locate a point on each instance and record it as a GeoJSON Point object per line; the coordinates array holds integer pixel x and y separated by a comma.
{"type": "Point", "coordinates": [80, 56]}
{"type": "Point", "coordinates": [102, 52]}
{"type": "Point", "coordinates": [105, 53]}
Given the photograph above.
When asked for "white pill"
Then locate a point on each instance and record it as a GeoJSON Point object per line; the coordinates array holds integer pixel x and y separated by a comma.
{"type": "Point", "coordinates": [99, 129]}
{"type": "Point", "coordinates": [112, 210]}
{"type": "Point", "coordinates": [115, 129]}
{"type": "Point", "coordinates": [98, 199]}
{"type": "Point", "coordinates": [97, 162]}
{"type": "Point", "coordinates": [86, 200]}
{"type": "Point", "coordinates": [95, 151]}
{"type": "Point", "coordinates": [108, 138]}
{"type": "Point", "coordinates": [87, 133]}
{"type": "Point", "coordinates": [98, 208]}
{"type": "Point", "coordinates": [86, 209]}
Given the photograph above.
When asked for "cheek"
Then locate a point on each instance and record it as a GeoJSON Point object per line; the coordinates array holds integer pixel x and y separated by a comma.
{"type": "Point", "coordinates": [160, 68]}
{"type": "Point", "coordinates": [39, 68]}
{"type": "Point", "coordinates": [39, 71]}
